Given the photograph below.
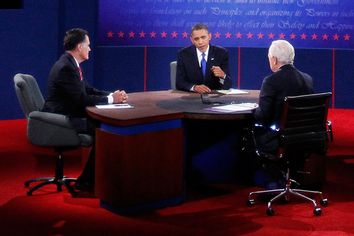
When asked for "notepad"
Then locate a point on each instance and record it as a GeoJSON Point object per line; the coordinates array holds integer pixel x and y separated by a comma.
{"type": "Point", "coordinates": [115, 106]}
{"type": "Point", "coordinates": [234, 107]}
{"type": "Point", "coordinates": [231, 91]}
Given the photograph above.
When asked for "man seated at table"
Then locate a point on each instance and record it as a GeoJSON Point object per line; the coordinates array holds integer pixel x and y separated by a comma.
{"type": "Point", "coordinates": [202, 67]}
{"type": "Point", "coordinates": [69, 94]}
{"type": "Point", "coordinates": [286, 80]}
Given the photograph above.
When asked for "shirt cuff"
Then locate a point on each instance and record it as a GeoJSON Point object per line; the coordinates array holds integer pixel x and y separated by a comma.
{"type": "Point", "coordinates": [110, 98]}
{"type": "Point", "coordinates": [222, 80]}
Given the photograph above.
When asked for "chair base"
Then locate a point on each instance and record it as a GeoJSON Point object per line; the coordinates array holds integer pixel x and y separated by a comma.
{"type": "Point", "coordinates": [59, 182]}
{"type": "Point", "coordinates": [286, 193]}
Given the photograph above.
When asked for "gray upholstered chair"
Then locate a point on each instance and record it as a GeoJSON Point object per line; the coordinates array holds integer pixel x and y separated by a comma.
{"type": "Point", "coordinates": [173, 72]}
{"type": "Point", "coordinates": [47, 130]}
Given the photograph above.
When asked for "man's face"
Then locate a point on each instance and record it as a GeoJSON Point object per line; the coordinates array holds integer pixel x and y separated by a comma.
{"type": "Point", "coordinates": [200, 39]}
{"type": "Point", "coordinates": [84, 49]}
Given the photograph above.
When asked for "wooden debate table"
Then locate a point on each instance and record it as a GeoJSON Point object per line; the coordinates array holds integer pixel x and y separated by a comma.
{"type": "Point", "coordinates": [141, 152]}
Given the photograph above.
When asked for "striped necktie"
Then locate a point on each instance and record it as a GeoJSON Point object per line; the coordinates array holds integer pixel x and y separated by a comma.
{"type": "Point", "coordinates": [80, 72]}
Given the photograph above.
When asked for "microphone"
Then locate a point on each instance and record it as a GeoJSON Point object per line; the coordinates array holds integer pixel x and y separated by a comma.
{"type": "Point", "coordinates": [206, 99]}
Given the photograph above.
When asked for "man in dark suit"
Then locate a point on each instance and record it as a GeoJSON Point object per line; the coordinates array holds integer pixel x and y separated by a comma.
{"type": "Point", "coordinates": [69, 94]}
{"type": "Point", "coordinates": [193, 74]}
{"type": "Point", "coordinates": [286, 80]}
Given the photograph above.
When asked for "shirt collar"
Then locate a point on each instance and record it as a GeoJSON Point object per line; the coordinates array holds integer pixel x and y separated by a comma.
{"type": "Point", "coordinates": [77, 63]}
{"type": "Point", "coordinates": [199, 53]}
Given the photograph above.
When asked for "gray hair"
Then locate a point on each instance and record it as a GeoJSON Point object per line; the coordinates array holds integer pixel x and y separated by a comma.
{"type": "Point", "coordinates": [283, 51]}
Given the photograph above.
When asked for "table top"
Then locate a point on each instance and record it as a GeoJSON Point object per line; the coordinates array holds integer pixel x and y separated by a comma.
{"type": "Point", "coordinates": [164, 105]}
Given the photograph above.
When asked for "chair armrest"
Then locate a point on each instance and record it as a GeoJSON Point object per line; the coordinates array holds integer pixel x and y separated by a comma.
{"type": "Point", "coordinates": [252, 137]}
{"type": "Point", "coordinates": [52, 130]}
{"type": "Point", "coordinates": [329, 130]}
{"type": "Point", "coordinates": [51, 118]}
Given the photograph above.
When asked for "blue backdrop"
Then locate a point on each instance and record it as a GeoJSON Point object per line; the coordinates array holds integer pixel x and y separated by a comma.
{"type": "Point", "coordinates": [31, 41]}
{"type": "Point", "coordinates": [245, 23]}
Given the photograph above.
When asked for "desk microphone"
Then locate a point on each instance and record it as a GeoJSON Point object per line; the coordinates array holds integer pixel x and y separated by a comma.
{"type": "Point", "coordinates": [206, 99]}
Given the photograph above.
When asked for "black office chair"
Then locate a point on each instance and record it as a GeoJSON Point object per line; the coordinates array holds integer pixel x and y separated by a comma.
{"type": "Point", "coordinates": [47, 130]}
{"type": "Point", "coordinates": [303, 130]}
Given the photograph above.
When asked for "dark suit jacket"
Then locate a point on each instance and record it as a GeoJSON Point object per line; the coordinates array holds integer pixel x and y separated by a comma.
{"type": "Point", "coordinates": [189, 72]}
{"type": "Point", "coordinates": [288, 81]}
{"type": "Point", "coordinates": [67, 94]}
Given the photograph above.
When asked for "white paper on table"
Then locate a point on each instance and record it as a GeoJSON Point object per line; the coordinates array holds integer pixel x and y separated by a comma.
{"type": "Point", "coordinates": [115, 106]}
{"type": "Point", "coordinates": [234, 107]}
{"type": "Point", "coordinates": [232, 91]}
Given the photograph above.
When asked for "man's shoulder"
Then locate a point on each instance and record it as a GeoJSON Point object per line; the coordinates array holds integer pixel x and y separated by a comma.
{"type": "Point", "coordinates": [188, 49]}
{"type": "Point", "coordinates": [63, 64]}
{"type": "Point", "coordinates": [305, 75]}
{"type": "Point", "coordinates": [218, 48]}
{"type": "Point", "coordinates": [66, 57]}
{"type": "Point", "coordinates": [218, 52]}
{"type": "Point", "coordinates": [186, 53]}
{"type": "Point", "coordinates": [65, 60]}
{"type": "Point", "coordinates": [274, 78]}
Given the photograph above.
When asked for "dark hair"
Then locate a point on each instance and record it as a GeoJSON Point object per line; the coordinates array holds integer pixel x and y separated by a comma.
{"type": "Point", "coordinates": [200, 26]}
{"type": "Point", "coordinates": [73, 37]}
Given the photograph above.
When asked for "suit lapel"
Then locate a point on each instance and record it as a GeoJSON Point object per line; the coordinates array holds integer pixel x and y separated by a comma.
{"type": "Point", "coordinates": [195, 64]}
{"type": "Point", "coordinates": [74, 65]}
{"type": "Point", "coordinates": [72, 60]}
{"type": "Point", "coordinates": [195, 57]}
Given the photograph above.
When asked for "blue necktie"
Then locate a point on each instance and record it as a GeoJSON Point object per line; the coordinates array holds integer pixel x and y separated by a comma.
{"type": "Point", "coordinates": [203, 64]}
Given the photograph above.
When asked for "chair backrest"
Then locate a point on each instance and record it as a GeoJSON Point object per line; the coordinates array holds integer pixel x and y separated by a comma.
{"type": "Point", "coordinates": [28, 93]}
{"type": "Point", "coordinates": [303, 124]}
{"type": "Point", "coordinates": [173, 72]}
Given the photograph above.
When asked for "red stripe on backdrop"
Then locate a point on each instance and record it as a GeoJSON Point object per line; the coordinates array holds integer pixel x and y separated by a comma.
{"type": "Point", "coordinates": [239, 67]}
{"type": "Point", "coordinates": [333, 76]}
{"type": "Point", "coordinates": [145, 68]}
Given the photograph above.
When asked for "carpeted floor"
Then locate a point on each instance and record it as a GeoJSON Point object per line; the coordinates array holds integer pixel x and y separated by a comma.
{"type": "Point", "coordinates": [219, 211]}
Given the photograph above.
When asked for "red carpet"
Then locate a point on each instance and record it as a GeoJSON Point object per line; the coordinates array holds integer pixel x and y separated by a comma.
{"type": "Point", "coordinates": [219, 212]}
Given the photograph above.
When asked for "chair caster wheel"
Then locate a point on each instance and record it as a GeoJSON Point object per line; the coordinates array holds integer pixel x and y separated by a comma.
{"type": "Point", "coordinates": [270, 211]}
{"type": "Point", "coordinates": [250, 202]}
{"type": "Point", "coordinates": [324, 202]}
{"type": "Point", "coordinates": [317, 211]}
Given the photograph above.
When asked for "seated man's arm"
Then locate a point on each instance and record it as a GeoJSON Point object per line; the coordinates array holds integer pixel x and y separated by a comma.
{"type": "Point", "coordinates": [181, 75]}
{"type": "Point", "coordinates": [264, 114]}
{"type": "Point", "coordinates": [224, 66]}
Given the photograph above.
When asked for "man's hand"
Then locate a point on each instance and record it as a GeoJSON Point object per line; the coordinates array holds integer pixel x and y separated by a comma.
{"type": "Point", "coordinates": [120, 96]}
{"type": "Point", "coordinates": [201, 89]}
{"type": "Point", "coordinates": [218, 72]}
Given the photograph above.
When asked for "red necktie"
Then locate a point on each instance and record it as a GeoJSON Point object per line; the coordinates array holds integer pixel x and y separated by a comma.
{"type": "Point", "coordinates": [80, 72]}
